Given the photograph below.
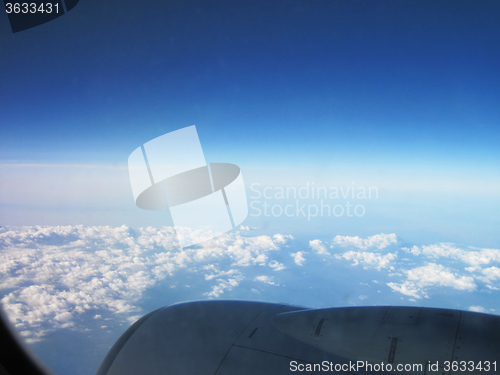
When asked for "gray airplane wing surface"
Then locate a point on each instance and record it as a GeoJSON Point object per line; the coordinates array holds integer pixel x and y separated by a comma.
{"type": "Point", "coordinates": [239, 337]}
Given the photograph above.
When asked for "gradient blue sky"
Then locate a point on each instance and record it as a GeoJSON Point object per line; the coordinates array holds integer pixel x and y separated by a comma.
{"type": "Point", "coordinates": [399, 95]}
{"type": "Point", "coordinates": [410, 78]}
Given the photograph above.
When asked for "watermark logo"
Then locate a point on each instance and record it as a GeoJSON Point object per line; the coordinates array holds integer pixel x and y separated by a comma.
{"type": "Point", "coordinates": [310, 201]}
{"type": "Point", "coordinates": [170, 173]}
{"type": "Point", "coordinates": [24, 15]}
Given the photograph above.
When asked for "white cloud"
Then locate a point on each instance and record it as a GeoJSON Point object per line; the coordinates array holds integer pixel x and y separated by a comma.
{"type": "Point", "coordinates": [245, 251]}
{"type": "Point", "coordinates": [478, 309]}
{"type": "Point", "coordinates": [318, 247]}
{"type": "Point", "coordinates": [473, 257]}
{"type": "Point", "coordinates": [282, 238]}
{"type": "Point", "coordinates": [380, 241]}
{"type": "Point", "coordinates": [266, 279]}
{"type": "Point", "coordinates": [213, 272]}
{"type": "Point", "coordinates": [223, 285]}
{"type": "Point", "coordinates": [415, 281]}
{"type": "Point", "coordinates": [298, 258]}
{"type": "Point", "coordinates": [414, 250]}
{"type": "Point", "coordinates": [432, 274]}
{"type": "Point", "coordinates": [276, 266]}
{"type": "Point", "coordinates": [51, 275]}
{"type": "Point", "coordinates": [492, 273]}
{"type": "Point", "coordinates": [369, 260]}
{"type": "Point", "coordinates": [406, 288]}
{"type": "Point", "coordinates": [436, 274]}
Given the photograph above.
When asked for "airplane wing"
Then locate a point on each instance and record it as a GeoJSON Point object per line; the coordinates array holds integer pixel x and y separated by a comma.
{"type": "Point", "coordinates": [238, 337]}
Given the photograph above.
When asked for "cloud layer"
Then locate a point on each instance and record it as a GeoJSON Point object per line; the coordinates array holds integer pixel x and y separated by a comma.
{"type": "Point", "coordinates": [417, 268]}
{"type": "Point", "coordinates": [51, 275]}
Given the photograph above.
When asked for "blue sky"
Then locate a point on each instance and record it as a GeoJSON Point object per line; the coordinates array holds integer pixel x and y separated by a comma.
{"type": "Point", "coordinates": [292, 80]}
{"type": "Point", "coordinates": [398, 95]}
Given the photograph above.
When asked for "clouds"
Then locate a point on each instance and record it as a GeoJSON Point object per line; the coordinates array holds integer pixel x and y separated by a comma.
{"type": "Point", "coordinates": [491, 274]}
{"type": "Point", "coordinates": [436, 274]}
{"type": "Point", "coordinates": [245, 251]}
{"type": "Point", "coordinates": [369, 260]}
{"type": "Point", "coordinates": [224, 285]}
{"type": "Point", "coordinates": [52, 275]}
{"type": "Point", "coordinates": [432, 274]}
{"type": "Point", "coordinates": [474, 257]}
{"type": "Point", "coordinates": [318, 247]}
{"type": "Point", "coordinates": [266, 279]}
{"type": "Point", "coordinates": [478, 309]}
{"type": "Point", "coordinates": [380, 241]}
{"type": "Point", "coordinates": [474, 261]}
{"type": "Point", "coordinates": [276, 266]}
{"type": "Point", "coordinates": [298, 258]}
{"type": "Point", "coordinates": [419, 271]}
